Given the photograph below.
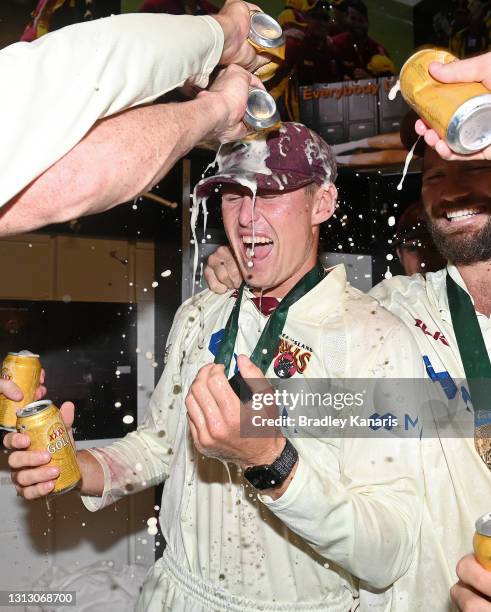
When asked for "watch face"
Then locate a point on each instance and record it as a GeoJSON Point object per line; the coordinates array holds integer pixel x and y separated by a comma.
{"type": "Point", "coordinates": [264, 477]}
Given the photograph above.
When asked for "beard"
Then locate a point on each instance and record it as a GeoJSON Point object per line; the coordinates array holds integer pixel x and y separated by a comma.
{"type": "Point", "coordinates": [462, 248]}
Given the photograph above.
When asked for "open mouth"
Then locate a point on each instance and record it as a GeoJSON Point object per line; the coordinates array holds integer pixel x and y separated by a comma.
{"type": "Point", "coordinates": [257, 248]}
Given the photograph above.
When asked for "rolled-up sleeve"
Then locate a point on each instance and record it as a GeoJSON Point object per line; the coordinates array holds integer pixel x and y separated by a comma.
{"type": "Point", "coordinates": [55, 88]}
{"type": "Point", "coordinates": [143, 458]}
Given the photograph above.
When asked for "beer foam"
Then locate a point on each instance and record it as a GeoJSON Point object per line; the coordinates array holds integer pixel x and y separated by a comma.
{"type": "Point", "coordinates": [409, 158]}
{"type": "Point", "coordinates": [394, 90]}
{"type": "Point", "coordinates": [252, 163]}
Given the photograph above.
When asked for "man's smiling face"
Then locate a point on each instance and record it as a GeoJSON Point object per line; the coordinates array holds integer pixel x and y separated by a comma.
{"type": "Point", "coordinates": [457, 201]}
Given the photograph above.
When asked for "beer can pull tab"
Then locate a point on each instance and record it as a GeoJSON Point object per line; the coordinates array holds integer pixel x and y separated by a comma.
{"type": "Point", "coordinates": [482, 541]}
{"type": "Point", "coordinates": [261, 112]}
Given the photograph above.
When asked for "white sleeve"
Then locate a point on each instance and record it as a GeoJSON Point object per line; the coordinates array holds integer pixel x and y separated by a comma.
{"type": "Point", "coordinates": [55, 88]}
{"type": "Point", "coordinates": [143, 457]}
{"type": "Point", "coordinates": [367, 520]}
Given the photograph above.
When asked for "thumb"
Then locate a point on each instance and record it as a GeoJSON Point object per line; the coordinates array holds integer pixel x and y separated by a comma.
{"type": "Point", "coordinates": [460, 71]}
{"type": "Point", "coordinates": [68, 413]}
{"type": "Point", "coordinates": [255, 379]}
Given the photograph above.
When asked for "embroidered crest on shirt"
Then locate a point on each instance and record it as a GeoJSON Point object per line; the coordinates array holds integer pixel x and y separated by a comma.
{"type": "Point", "coordinates": [291, 357]}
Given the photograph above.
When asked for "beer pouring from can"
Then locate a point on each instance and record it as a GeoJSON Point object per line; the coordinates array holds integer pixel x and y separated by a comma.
{"type": "Point", "coordinates": [261, 112]}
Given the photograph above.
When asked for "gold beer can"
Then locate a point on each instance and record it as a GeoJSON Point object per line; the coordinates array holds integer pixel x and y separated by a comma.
{"type": "Point", "coordinates": [482, 541]}
{"type": "Point", "coordinates": [261, 112]}
{"type": "Point", "coordinates": [43, 422]}
{"type": "Point", "coordinates": [24, 369]}
{"type": "Point", "coordinates": [460, 113]}
{"type": "Point", "coordinates": [266, 36]}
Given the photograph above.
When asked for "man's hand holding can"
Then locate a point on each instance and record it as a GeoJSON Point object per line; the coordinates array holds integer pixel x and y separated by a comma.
{"type": "Point", "coordinates": [31, 475]}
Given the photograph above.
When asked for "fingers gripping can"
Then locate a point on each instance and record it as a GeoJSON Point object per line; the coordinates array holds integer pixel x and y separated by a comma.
{"type": "Point", "coordinates": [43, 423]}
{"type": "Point", "coordinates": [460, 113]}
{"type": "Point", "coordinates": [24, 369]}
{"type": "Point", "coordinates": [482, 541]}
{"type": "Point", "coordinates": [266, 36]}
{"type": "Point", "coordinates": [261, 112]}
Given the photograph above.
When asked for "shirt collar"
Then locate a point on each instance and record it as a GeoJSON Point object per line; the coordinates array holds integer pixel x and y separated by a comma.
{"type": "Point", "coordinates": [443, 296]}
{"type": "Point", "coordinates": [325, 297]}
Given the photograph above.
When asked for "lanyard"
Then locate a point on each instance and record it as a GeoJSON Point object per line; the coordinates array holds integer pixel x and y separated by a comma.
{"type": "Point", "coordinates": [267, 343]}
{"type": "Point", "coordinates": [473, 352]}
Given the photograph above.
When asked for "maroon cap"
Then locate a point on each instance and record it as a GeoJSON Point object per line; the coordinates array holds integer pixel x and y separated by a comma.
{"type": "Point", "coordinates": [288, 158]}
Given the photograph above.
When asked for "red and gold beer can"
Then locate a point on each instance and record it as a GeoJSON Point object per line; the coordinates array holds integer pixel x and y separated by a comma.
{"type": "Point", "coordinates": [460, 113]}
{"type": "Point", "coordinates": [24, 369]}
{"type": "Point", "coordinates": [43, 423]}
{"type": "Point", "coordinates": [482, 541]}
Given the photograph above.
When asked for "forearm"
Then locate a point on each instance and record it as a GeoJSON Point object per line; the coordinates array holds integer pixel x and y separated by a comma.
{"type": "Point", "coordinates": [92, 481]}
{"type": "Point", "coordinates": [142, 145]}
{"type": "Point", "coordinates": [94, 70]}
{"type": "Point", "coordinates": [136, 462]}
{"type": "Point", "coordinates": [368, 529]}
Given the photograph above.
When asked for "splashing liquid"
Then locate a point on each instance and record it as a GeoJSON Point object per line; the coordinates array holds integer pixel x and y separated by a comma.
{"type": "Point", "coordinates": [49, 512]}
{"type": "Point", "coordinates": [409, 159]}
{"type": "Point", "coordinates": [394, 90]}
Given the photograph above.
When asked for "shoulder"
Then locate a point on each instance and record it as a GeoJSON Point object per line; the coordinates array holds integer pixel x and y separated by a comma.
{"type": "Point", "coordinates": [205, 304]}
{"type": "Point", "coordinates": [378, 342]}
{"type": "Point", "coordinates": [387, 289]}
{"type": "Point", "coordinates": [410, 293]}
{"type": "Point", "coordinates": [367, 314]}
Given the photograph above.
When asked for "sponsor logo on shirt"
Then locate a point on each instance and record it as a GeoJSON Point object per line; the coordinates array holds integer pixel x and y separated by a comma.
{"type": "Point", "coordinates": [438, 336]}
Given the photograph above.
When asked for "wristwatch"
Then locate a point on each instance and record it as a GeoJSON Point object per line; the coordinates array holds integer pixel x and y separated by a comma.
{"type": "Point", "coordinates": [273, 475]}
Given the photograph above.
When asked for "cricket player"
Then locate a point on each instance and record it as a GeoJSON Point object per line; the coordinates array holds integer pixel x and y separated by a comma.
{"type": "Point", "coordinates": [457, 203]}
{"type": "Point", "coordinates": [340, 515]}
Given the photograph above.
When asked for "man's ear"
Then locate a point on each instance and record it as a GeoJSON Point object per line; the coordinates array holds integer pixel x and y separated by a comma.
{"type": "Point", "coordinates": [324, 204]}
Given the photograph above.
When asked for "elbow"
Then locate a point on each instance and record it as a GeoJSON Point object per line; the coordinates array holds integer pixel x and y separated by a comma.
{"type": "Point", "coordinates": [382, 570]}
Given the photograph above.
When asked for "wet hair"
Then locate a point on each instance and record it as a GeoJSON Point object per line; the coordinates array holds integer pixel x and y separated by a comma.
{"type": "Point", "coordinates": [311, 189]}
{"type": "Point", "coordinates": [359, 6]}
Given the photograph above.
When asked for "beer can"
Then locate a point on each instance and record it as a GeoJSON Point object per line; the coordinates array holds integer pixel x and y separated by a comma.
{"type": "Point", "coordinates": [266, 35]}
{"type": "Point", "coordinates": [43, 422]}
{"type": "Point", "coordinates": [24, 369]}
{"type": "Point", "coordinates": [460, 113]}
{"type": "Point", "coordinates": [261, 112]}
{"type": "Point", "coordinates": [482, 541]}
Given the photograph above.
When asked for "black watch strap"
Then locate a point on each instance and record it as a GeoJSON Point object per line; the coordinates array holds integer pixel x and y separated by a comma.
{"type": "Point", "coordinates": [273, 475]}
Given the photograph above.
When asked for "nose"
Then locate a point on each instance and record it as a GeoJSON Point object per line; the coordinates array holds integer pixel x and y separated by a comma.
{"type": "Point", "coordinates": [455, 186]}
{"type": "Point", "coordinates": [248, 212]}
